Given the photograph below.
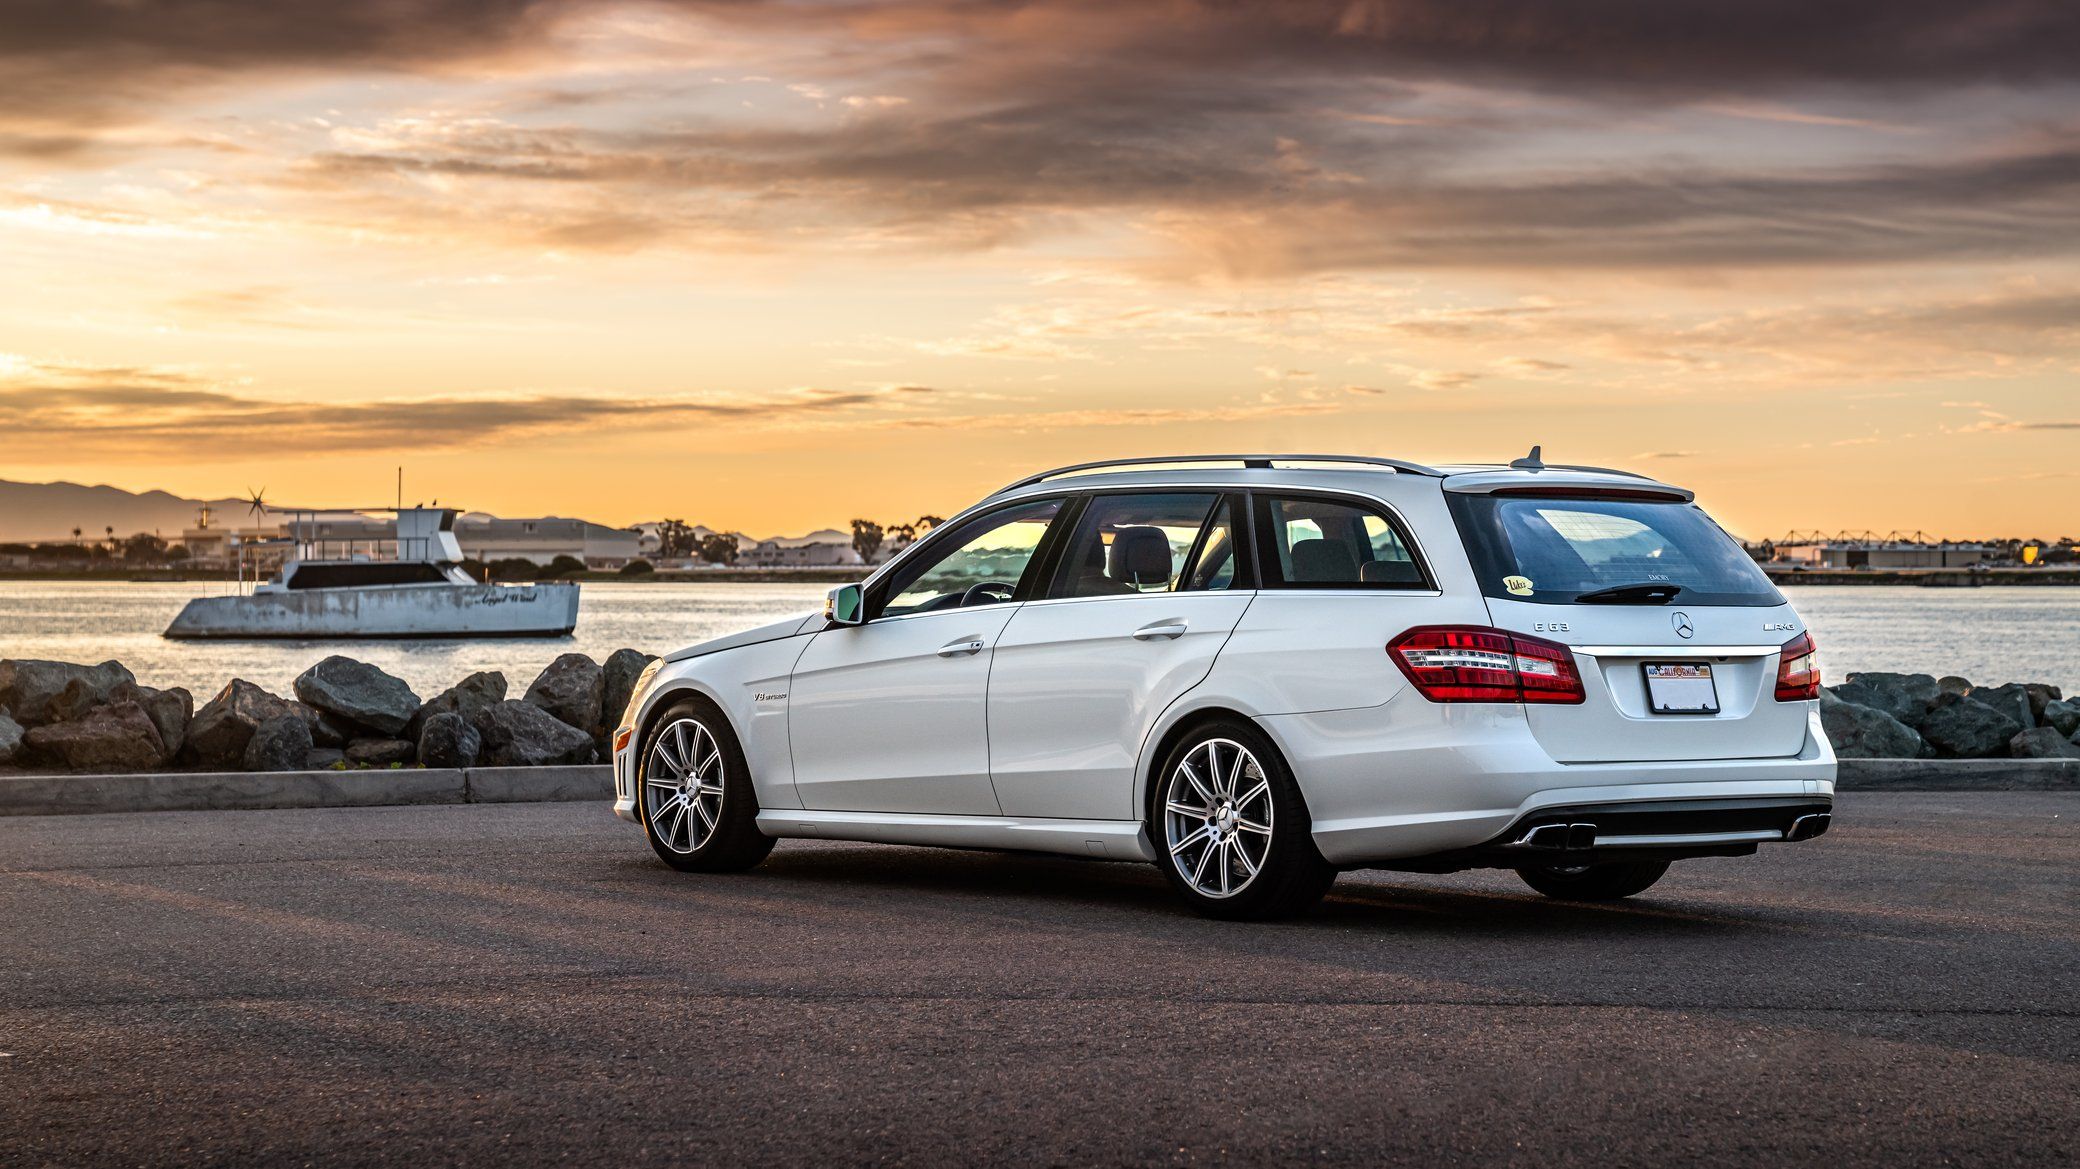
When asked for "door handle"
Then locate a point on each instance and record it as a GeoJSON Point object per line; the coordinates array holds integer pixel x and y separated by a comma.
{"type": "Point", "coordinates": [1160, 629]}
{"type": "Point", "coordinates": [955, 649]}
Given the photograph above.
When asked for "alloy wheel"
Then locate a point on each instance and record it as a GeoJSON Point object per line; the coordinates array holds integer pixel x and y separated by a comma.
{"type": "Point", "coordinates": [1217, 817]}
{"type": "Point", "coordinates": [682, 783]}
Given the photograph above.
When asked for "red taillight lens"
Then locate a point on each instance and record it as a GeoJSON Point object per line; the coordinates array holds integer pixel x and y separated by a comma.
{"type": "Point", "coordinates": [1466, 663]}
{"type": "Point", "coordinates": [1798, 670]}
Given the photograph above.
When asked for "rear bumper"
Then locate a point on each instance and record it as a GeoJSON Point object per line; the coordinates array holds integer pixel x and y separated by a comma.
{"type": "Point", "coordinates": [1394, 785]}
{"type": "Point", "coordinates": [1643, 830]}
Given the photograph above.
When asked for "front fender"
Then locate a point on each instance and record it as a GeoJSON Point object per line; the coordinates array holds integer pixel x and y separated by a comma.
{"type": "Point", "coordinates": [750, 685]}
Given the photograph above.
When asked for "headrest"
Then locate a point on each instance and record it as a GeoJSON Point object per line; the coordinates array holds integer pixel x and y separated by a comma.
{"type": "Point", "coordinates": [1320, 561]}
{"type": "Point", "coordinates": [1140, 556]}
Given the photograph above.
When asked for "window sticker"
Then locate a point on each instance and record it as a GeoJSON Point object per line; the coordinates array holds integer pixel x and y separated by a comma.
{"type": "Point", "coordinates": [1517, 586]}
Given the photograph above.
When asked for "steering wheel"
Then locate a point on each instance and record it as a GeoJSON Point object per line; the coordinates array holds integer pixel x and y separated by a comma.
{"type": "Point", "coordinates": [988, 592]}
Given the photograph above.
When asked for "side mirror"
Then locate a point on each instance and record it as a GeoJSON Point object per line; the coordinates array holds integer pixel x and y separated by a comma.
{"type": "Point", "coordinates": [845, 605]}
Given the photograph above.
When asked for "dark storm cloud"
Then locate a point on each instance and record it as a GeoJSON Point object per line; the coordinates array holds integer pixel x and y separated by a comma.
{"type": "Point", "coordinates": [92, 53]}
{"type": "Point", "coordinates": [1271, 135]}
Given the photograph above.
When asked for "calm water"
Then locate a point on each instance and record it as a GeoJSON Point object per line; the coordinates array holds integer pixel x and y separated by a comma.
{"type": "Point", "coordinates": [1988, 635]}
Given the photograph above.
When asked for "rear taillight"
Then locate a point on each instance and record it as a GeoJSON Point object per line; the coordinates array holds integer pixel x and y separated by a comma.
{"type": "Point", "coordinates": [1798, 670]}
{"type": "Point", "coordinates": [1468, 663]}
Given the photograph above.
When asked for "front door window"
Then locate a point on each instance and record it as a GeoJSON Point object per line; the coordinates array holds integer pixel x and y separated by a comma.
{"type": "Point", "coordinates": [981, 564]}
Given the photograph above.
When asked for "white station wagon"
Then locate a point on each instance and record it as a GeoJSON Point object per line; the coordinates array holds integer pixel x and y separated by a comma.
{"type": "Point", "coordinates": [1255, 671]}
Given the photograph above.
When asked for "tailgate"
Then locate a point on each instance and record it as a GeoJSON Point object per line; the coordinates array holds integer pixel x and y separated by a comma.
{"type": "Point", "coordinates": [1613, 645]}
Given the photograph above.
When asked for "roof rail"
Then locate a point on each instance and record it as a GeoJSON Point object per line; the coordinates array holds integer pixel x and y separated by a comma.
{"type": "Point", "coordinates": [1398, 466]}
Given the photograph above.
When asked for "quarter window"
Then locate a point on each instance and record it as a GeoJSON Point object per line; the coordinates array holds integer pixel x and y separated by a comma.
{"type": "Point", "coordinates": [1323, 543]}
{"type": "Point", "coordinates": [982, 563]}
{"type": "Point", "coordinates": [1145, 543]}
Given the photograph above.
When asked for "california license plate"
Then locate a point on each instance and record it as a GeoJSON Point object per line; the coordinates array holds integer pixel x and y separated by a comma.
{"type": "Point", "coordinates": [1681, 688]}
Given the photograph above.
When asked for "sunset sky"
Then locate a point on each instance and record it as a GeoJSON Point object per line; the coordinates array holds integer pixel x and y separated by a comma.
{"type": "Point", "coordinates": [771, 265]}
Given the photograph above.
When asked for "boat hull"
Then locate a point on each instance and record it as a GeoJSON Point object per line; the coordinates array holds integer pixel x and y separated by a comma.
{"type": "Point", "coordinates": [538, 610]}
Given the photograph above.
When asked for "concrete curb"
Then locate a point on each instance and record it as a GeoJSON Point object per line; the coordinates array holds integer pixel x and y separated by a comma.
{"type": "Point", "coordinates": [64, 795]}
{"type": "Point", "coordinates": [1958, 775]}
{"type": "Point", "coordinates": [525, 785]}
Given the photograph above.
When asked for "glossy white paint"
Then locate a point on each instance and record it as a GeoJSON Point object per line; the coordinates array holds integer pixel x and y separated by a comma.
{"type": "Point", "coordinates": [891, 716]}
{"type": "Point", "coordinates": [1045, 734]}
{"type": "Point", "coordinates": [1077, 685]}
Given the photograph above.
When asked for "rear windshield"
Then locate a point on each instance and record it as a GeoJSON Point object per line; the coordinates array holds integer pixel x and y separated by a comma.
{"type": "Point", "coordinates": [1551, 551]}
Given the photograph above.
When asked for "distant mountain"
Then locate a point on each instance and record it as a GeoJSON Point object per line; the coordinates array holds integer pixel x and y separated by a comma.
{"type": "Point", "coordinates": [49, 511]}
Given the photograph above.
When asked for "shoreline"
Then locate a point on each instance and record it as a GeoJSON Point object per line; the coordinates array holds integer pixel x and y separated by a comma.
{"type": "Point", "coordinates": [661, 576]}
{"type": "Point", "coordinates": [1783, 577]}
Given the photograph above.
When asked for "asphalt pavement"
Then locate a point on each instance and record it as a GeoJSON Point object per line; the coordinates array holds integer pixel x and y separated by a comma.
{"type": "Point", "coordinates": [527, 985]}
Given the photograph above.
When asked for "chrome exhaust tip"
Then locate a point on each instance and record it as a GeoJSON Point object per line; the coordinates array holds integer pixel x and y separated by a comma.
{"type": "Point", "coordinates": [1807, 827]}
{"type": "Point", "coordinates": [1561, 837]}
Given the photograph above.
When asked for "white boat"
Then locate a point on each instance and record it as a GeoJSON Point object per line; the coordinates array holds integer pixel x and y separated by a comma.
{"type": "Point", "coordinates": [421, 590]}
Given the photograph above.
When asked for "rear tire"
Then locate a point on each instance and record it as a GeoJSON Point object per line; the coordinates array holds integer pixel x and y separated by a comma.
{"type": "Point", "coordinates": [694, 792]}
{"type": "Point", "coordinates": [1605, 882]}
{"type": "Point", "coordinates": [1230, 829]}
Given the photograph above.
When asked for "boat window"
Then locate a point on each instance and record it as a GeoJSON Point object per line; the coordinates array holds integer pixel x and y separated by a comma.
{"type": "Point", "coordinates": [375, 572]}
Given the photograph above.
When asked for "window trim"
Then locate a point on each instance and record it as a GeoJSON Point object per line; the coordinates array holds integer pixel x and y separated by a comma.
{"type": "Point", "coordinates": [878, 587]}
{"type": "Point", "coordinates": [1272, 575]}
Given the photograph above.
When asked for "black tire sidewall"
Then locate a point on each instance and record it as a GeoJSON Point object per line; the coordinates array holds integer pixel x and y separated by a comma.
{"type": "Point", "coordinates": [1294, 875]}
{"type": "Point", "coordinates": [1602, 882]}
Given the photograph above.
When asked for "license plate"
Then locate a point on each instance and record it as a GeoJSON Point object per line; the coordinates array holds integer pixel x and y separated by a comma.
{"type": "Point", "coordinates": [1681, 688]}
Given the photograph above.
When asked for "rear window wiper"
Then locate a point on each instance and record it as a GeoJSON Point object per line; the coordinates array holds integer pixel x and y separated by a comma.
{"type": "Point", "coordinates": [1650, 593]}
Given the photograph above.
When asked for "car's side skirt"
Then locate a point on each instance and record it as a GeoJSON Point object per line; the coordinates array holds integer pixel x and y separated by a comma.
{"type": "Point", "coordinates": [1111, 839]}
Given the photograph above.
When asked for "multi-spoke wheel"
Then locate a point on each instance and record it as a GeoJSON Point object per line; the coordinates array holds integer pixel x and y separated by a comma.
{"type": "Point", "coordinates": [1217, 817]}
{"type": "Point", "coordinates": [683, 779]}
{"type": "Point", "coordinates": [1232, 829]}
{"type": "Point", "coordinates": [698, 806]}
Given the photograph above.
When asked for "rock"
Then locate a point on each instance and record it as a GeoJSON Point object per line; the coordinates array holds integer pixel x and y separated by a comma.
{"type": "Point", "coordinates": [521, 734]}
{"type": "Point", "coordinates": [1906, 697]}
{"type": "Point", "coordinates": [2011, 700]}
{"type": "Point", "coordinates": [326, 730]}
{"type": "Point", "coordinates": [10, 738]}
{"type": "Point", "coordinates": [618, 677]}
{"type": "Point", "coordinates": [2063, 715]}
{"type": "Point", "coordinates": [1962, 727]}
{"type": "Point", "coordinates": [219, 732]}
{"type": "Point", "coordinates": [116, 737]}
{"type": "Point", "coordinates": [324, 759]}
{"type": "Point", "coordinates": [2041, 695]}
{"type": "Point", "coordinates": [35, 692]}
{"type": "Point", "coordinates": [2043, 743]}
{"type": "Point", "coordinates": [469, 698]}
{"type": "Point", "coordinates": [573, 688]}
{"type": "Point", "coordinates": [170, 710]}
{"type": "Point", "coordinates": [1862, 732]}
{"type": "Point", "coordinates": [358, 692]}
{"type": "Point", "coordinates": [381, 752]}
{"type": "Point", "coordinates": [282, 743]}
{"type": "Point", "coordinates": [448, 740]}
{"type": "Point", "coordinates": [1952, 684]}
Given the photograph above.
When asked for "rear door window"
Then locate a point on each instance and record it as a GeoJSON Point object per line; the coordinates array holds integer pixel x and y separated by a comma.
{"type": "Point", "coordinates": [1318, 542]}
{"type": "Point", "coordinates": [1551, 550]}
{"type": "Point", "coordinates": [1148, 542]}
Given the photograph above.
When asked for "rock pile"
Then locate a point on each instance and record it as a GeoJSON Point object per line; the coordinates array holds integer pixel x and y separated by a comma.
{"type": "Point", "coordinates": [1919, 716]}
{"type": "Point", "coordinates": [345, 714]}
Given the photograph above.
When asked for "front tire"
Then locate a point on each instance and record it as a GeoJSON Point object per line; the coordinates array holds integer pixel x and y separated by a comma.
{"type": "Point", "coordinates": [700, 813]}
{"type": "Point", "coordinates": [1605, 882]}
{"type": "Point", "coordinates": [1231, 831]}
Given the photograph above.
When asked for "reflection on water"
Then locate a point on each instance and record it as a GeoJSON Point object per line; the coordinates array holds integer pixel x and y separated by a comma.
{"type": "Point", "coordinates": [1989, 635]}
{"type": "Point", "coordinates": [91, 622]}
